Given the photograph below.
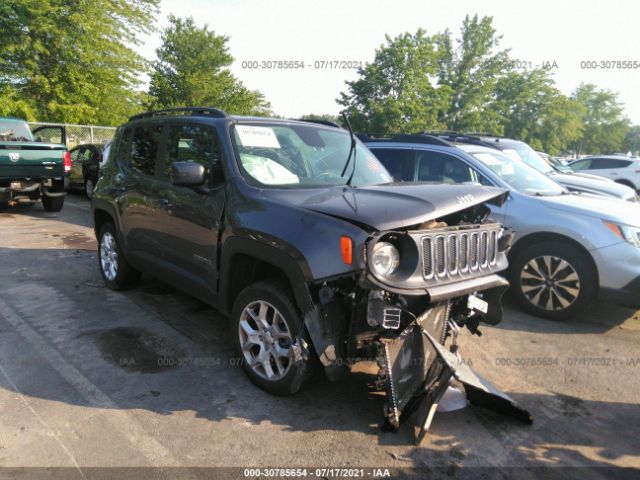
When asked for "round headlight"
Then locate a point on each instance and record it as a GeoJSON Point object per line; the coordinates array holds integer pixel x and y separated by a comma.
{"type": "Point", "coordinates": [385, 258]}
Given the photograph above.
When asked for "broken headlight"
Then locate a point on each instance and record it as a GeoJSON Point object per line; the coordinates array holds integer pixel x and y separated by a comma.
{"type": "Point", "coordinates": [385, 259]}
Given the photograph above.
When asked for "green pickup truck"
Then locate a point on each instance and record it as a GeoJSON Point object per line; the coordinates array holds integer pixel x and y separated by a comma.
{"type": "Point", "coordinates": [30, 169]}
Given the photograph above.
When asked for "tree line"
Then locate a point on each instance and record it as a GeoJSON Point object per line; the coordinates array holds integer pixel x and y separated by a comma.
{"type": "Point", "coordinates": [75, 61]}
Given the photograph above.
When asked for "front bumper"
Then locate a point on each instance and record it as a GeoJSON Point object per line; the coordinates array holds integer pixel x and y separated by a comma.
{"type": "Point", "coordinates": [619, 273]}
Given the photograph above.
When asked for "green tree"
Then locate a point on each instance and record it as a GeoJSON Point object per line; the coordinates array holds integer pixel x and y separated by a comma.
{"type": "Point", "coordinates": [398, 92]}
{"type": "Point", "coordinates": [191, 71]}
{"type": "Point", "coordinates": [604, 122]}
{"type": "Point", "coordinates": [632, 140]}
{"type": "Point", "coordinates": [532, 109]}
{"type": "Point", "coordinates": [327, 117]}
{"type": "Point", "coordinates": [72, 60]}
{"type": "Point", "coordinates": [470, 71]}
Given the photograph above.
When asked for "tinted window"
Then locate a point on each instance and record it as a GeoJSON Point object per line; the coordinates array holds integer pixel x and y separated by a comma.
{"type": "Point", "coordinates": [603, 163]}
{"type": "Point", "coordinates": [442, 168]}
{"type": "Point", "coordinates": [75, 154]}
{"type": "Point", "coordinates": [193, 143]}
{"type": "Point", "coordinates": [85, 155]}
{"type": "Point", "coordinates": [124, 145]}
{"type": "Point", "coordinates": [144, 149]}
{"type": "Point", "coordinates": [400, 163]}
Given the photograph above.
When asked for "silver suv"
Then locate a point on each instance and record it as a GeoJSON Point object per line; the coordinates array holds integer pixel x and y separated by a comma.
{"type": "Point", "coordinates": [569, 247]}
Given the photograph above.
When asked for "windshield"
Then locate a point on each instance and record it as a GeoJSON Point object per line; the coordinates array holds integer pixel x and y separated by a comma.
{"type": "Point", "coordinates": [304, 156]}
{"type": "Point", "coordinates": [14, 131]}
{"type": "Point", "coordinates": [529, 156]}
{"type": "Point", "coordinates": [518, 174]}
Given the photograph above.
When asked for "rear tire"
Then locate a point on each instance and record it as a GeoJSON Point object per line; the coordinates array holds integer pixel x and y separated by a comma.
{"type": "Point", "coordinates": [553, 280]}
{"type": "Point", "coordinates": [267, 329]}
{"type": "Point", "coordinates": [52, 204]}
{"type": "Point", "coordinates": [116, 271]}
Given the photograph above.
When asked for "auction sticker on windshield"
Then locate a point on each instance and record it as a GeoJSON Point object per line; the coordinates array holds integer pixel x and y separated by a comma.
{"type": "Point", "coordinates": [251, 136]}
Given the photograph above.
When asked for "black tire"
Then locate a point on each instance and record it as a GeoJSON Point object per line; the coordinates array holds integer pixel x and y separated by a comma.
{"type": "Point", "coordinates": [626, 183]}
{"type": "Point", "coordinates": [89, 186]}
{"type": "Point", "coordinates": [278, 295]}
{"type": "Point", "coordinates": [52, 204]}
{"type": "Point", "coordinates": [560, 298]}
{"type": "Point", "coordinates": [125, 275]}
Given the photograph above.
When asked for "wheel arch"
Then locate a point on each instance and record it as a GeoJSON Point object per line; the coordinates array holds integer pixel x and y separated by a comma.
{"type": "Point", "coordinates": [245, 261]}
{"type": "Point", "coordinates": [625, 182]}
{"type": "Point", "coordinates": [540, 237]}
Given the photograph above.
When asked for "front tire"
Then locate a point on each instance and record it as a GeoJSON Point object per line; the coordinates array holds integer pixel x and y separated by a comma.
{"type": "Point", "coordinates": [116, 271]}
{"type": "Point", "coordinates": [52, 204]}
{"type": "Point", "coordinates": [270, 339]}
{"type": "Point", "coordinates": [553, 280]}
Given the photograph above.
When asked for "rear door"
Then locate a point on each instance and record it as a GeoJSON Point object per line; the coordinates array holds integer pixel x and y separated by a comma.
{"type": "Point", "coordinates": [135, 185]}
{"type": "Point", "coordinates": [77, 159]}
{"type": "Point", "coordinates": [189, 219]}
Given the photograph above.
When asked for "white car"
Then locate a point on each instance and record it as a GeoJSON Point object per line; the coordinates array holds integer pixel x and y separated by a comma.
{"type": "Point", "coordinates": [624, 170]}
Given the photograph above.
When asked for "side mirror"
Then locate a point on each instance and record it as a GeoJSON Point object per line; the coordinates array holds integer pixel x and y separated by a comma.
{"type": "Point", "coordinates": [187, 174]}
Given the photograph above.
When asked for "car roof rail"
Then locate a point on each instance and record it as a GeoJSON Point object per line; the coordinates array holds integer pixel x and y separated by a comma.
{"type": "Point", "coordinates": [484, 134]}
{"type": "Point", "coordinates": [194, 111]}
{"type": "Point", "coordinates": [320, 121]}
{"type": "Point", "coordinates": [468, 138]}
{"type": "Point", "coordinates": [407, 138]}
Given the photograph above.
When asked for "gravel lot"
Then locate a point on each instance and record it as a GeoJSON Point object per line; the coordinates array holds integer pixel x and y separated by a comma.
{"type": "Point", "coordinates": [95, 378]}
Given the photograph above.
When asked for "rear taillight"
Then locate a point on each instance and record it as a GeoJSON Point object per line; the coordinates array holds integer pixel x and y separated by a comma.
{"type": "Point", "coordinates": [67, 162]}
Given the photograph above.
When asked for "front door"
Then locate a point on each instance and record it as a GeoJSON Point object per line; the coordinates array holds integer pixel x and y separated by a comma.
{"type": "Point", "coordinates": [189, 219]}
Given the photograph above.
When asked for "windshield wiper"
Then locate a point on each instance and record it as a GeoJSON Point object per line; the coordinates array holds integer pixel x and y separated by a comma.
{"type": "Point", "coordinates": [352, 151]}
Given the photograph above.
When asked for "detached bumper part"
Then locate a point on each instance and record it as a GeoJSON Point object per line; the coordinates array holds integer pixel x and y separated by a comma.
{"type": "Point", "coordinates": [418, 370]}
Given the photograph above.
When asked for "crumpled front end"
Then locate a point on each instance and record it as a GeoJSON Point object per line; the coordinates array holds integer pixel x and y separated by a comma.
{"type": "Point", "coordinates": [419, 287]}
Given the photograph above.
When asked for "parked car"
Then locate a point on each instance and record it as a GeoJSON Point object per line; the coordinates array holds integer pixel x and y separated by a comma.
{"type": "Point", "coordinates": [569, 248]}
{"type": "Point", "coordinates": [622, 169]}
{"type": "Point", "coordinates": [86, 160]}
{"type": "Point", "coordinates": [295, 229]}
{"type": "Point", "coordinates": [576, 182]}
{"type": "Point", "coordinates": [31, 170]}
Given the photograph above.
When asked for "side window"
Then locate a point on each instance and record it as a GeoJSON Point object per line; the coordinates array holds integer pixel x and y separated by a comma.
{"type": "Point", "coordinates": [400, 163]}
{"type": "Point", "coordinates": [75, 154]}
{"type": "Point", "coordinates": [442, 168]}
{"type": "Point", "coordinates": [124, 147]}
{"type": "Point", "coordinates": [582, 165]}
{"type": "Point", "coordinates": [604, 163]}
{"type": "Point", "coordinates": [194, 143]}
{"type": "Point", "coordinates": [85, 155]}
{"type": "Point", "coordinates": [144, 149]}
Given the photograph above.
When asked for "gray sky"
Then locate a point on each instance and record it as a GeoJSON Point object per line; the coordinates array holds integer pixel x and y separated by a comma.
{"type": "Point", "coordinates": [560, 31]}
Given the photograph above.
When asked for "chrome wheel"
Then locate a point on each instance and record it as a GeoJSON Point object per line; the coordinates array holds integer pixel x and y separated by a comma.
{"type": "Point", "coordinates": [265, 340]}
{"type": "Point", "coordinates": [550, 283]}
{"type": "Point", "coordinates": [88, 187]}
{"type": "Point", "coordinates": [109, 256]}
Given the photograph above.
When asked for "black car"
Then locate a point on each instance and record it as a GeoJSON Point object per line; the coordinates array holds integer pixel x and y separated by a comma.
{"type": "Point", "coordinates": [86, 160]}
{"type": "Point", "coordinates": [296, 231]}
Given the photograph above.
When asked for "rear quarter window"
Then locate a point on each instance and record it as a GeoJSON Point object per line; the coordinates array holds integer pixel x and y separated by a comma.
{"type": "Point", "coordinates": [144, 149]}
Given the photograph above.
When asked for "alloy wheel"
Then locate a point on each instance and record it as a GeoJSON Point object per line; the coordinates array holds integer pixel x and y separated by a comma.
{"type": "Point", "coordinates": [550, 283]}
{"type": "Point", "coordinates": [266, 340]}
{"type": "Point", "coordinates": [109, 256]}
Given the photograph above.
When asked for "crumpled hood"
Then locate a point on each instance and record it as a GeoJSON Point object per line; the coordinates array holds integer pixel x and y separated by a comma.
{"type": "Point", "coordinates": [605, 208]}
{"type": "Point", "coordinates": [593, 183]}
{"type": "Point", "coordinates": [390, 206]}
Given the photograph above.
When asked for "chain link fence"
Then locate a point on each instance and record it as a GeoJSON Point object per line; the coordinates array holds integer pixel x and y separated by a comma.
{"type": "Point", "coordinates": [74, 134]}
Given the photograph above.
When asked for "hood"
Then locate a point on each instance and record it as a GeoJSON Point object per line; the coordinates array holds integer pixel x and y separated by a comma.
{"type": "Point", "coordinates": [604, 208]}
{"type": "Point", "coordinates": [391, 206]}
{"type": "Point", "coordinates": [597, 185]}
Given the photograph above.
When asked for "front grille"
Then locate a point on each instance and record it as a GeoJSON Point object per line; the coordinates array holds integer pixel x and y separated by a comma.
{"type": "Point", "coordinates": [460, 253]}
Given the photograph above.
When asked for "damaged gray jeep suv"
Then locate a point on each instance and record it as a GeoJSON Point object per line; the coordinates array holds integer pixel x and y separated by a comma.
{"type": "Point", "coordinates": [298, 233]}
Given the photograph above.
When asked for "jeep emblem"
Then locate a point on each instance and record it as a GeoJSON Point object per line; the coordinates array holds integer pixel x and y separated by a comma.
{"type": "Point", "coordinates": [14, 156]}
{"type": "Point", "coordinates": [464, 198]}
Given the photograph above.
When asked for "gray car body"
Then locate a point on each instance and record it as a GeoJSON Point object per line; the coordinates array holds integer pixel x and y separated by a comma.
{"type": "Point", "coordinates": [577, 218]}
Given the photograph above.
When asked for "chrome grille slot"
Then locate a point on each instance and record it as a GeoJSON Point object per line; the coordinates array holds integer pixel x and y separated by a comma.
{"type": "Point", "coordinates": [440, 256]}
{"type": "Point", "coordinates": [473, 251]}
{"type": "Point", "coordinates": [459, 254]}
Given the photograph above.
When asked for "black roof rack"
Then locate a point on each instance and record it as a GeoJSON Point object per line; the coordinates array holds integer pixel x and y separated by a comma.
{"type": "Point", "coordinates": [405, 137]}
{"type": "Point", "coordinates": [468, 138]}
{"type": "Point", "coordinates": [485, 134]}
{"type": "Point", "coordinates": [319, 121]}
{"type": "Point", "coordinates": [194, 111]}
